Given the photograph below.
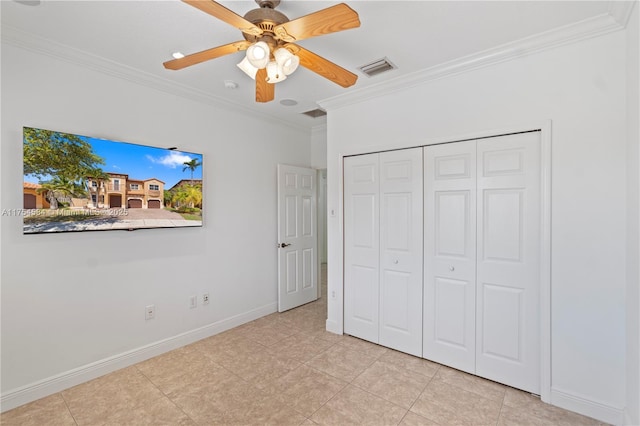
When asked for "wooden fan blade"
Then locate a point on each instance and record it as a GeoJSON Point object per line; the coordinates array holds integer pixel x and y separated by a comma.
{"type": "Point", "coordinates": [265, 92]}
{"type": "Point", "coordinates": [326, 21]}
{"type": "Point", "coordinates": [205, 55]}
{"type": "Point", "coordinates": [230, 17]}
{"type": "Point", "coordinates": [322, 66]}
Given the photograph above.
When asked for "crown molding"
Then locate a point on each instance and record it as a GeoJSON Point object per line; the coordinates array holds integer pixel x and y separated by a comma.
{"type": "Point", "coordinates": [621, 11]}
{"type": "Point", "coordinates": [567, 34]}
{"type": "Point", "coordinates": [616, 19]}
{"type": "Point", "coordinates": [41, 45]}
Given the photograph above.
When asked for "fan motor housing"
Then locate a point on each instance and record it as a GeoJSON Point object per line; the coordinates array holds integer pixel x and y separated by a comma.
{"type": "Point", "coordinates": [266, 19]}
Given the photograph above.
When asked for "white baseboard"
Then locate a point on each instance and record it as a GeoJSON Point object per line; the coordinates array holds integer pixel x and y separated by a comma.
{"type": "Point", "coordinates": [62, 381]}
{"type": "Point", "coordinates": [587, 407]}
{"type": "Point", "coordinates": [333, 327]}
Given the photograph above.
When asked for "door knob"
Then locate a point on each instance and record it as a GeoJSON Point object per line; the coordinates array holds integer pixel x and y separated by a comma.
{"type": "Point", "coordinates": [395, 262]}
{"type": "Point", "coordinates": [283, 245]}
{"type": "Point", "coordinates": [451, 268]}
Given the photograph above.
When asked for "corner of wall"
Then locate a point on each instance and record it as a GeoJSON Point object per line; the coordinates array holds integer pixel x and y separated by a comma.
{"type": "Point", "coordinates": [319, 146]}
{"type": "Point", "coordinates": [632, 411]}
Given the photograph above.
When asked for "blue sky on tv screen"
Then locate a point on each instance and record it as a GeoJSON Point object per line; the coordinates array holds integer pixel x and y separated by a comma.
{"type": "Point", "coordinates": [141, 162]}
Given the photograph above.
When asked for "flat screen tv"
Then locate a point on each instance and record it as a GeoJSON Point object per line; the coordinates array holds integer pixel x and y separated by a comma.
{"type": "Point", "coordinates": [78, 183]}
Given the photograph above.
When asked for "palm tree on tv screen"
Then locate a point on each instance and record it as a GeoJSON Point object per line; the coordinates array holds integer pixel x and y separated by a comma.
{"type": "Point", "coordinates": [191, 165]}
{"type": "Point", "coordinates": [60, 187]}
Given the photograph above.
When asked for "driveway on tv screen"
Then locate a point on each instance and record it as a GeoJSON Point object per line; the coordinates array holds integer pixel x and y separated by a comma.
{"type": "Point", "coordinates": [107, 219]}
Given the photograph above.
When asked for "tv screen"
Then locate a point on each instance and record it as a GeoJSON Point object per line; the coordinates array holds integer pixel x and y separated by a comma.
{"type": "Point", "coordinates": [78, 183]}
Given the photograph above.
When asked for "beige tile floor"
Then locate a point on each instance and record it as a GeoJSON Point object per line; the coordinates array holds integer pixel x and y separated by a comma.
{"type": "Point", "coordinates": [285, 369]}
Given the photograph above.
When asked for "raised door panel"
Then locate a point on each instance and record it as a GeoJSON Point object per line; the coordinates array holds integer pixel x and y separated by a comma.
{"type": "Point", "coordinates": [363, 217]}
{"type": "Point", "coordinates": [396, 293]}
{"type": "Point", "coordinates": [362, 302]}
{"type": "Point", "coordinates": [503, 224]}
{"type": "Point", "coordinates": [361, 246]}
{"type": "Point", "coordinates": [308, 268]}
{"type": "Point", "coordinates": [401, 232]}
{"type": "Point", "coordinates": [451, 313]}
{"type": "Point", "coordinates": [307, 216]}
{"type": "Point", "coordinates": [291, 216]}
{"type": "Point", "coordinates": [291, 268]}
{"type": "Point", "coordinates": [451, 215]}
{"type": "Point", "coordinates": [450, 254]}
{"type": "Point", "coordinates": [297, 230]}
{"type": "Point", "coordinates": [509, 212]}
{"type": "Point", "coordinates": [502, 322]}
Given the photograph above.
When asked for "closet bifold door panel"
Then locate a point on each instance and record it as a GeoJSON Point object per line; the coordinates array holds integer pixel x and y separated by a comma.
{"type": "Point", "coordinates": [508, 260]}
{"type": "Point", "coordinates": [361, 246]}
{"type": "Point", "coordinates": [482, 210]}
{"type": "Point", "coordinates": [450, 254]}
{"type": "Point", "coordinates": [401, 250]}
{"type": "Point", "coordinates": [383, 248]}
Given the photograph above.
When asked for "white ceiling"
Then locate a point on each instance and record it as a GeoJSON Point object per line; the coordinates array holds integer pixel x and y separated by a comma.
{"type": "Point", "coordinates": [414, 35]}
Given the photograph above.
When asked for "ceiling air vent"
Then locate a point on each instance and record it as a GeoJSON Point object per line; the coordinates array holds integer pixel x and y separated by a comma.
{"type": "Point", "coordinates": [315, 113]}
{"type": "Point", "coordinates": [377, 67]}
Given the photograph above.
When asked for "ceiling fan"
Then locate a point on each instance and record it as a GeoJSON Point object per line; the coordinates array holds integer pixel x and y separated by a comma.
{"type": "Point", "coordinates": [269, 38]}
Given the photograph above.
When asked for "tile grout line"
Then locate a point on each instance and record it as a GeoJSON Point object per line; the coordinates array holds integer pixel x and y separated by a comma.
{"type": "Point", "coordinates": [423, 390]}
{"type": "Point", "coordinates": [466, 389]}
{"type": "Point", "coordinates": [501, 406]}
{"type": "Point", "coordinates": [165, 395]}
{"type": "Point", "coordinates": [332, 397]}
{"type": "Point", "coordinates": [68, 408]}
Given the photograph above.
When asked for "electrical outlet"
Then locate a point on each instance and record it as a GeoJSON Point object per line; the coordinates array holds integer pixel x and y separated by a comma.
{"type": "Point", "coordinates": [193, 302]}
{"type": "Point", "coordinates": [205, 299]}
{"type": "Point", "coordinates": [150, 312]}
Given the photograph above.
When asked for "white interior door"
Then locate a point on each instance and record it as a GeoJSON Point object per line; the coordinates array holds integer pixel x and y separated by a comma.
{"type": "Point", "coordinates": [361, 246]}
{"type": "Point", "coordinates": [401, 250]}
{"type": "Point", "coordinates": [508, 260]}
{"type": "Point", "coordinates": [450, 254]}
{"type": "Point", "coordinates": [297, 237]}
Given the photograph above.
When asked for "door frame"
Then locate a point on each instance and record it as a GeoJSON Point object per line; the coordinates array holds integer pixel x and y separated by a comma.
{"type": "Point", "coordinates": [335, 323]}
{"type": "Point", "coordinates": [322, 216]}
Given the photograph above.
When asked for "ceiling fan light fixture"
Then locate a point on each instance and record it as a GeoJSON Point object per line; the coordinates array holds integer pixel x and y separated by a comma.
{"type": "Point", "coordinates": [266, 30]}
{"type": "Point", "coordinates": [286, 60]}
{"type": "Point", "coordinates": [258, 54]}
{"type": "Point", "coordinates": [248, 69]}
{"type": "Point", "coordinates": [275, 73]}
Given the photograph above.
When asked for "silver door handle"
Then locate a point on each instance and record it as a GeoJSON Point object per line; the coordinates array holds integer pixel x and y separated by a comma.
{"type": "Point", "coordinates": [451, 268]}
{"type": "Point", "coordinates": [283, 245]}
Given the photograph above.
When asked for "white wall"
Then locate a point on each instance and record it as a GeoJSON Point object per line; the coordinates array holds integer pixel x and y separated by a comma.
{"type": "Point", "coordinates": [319, 161]}
{"type": "Point", "coordinates": [319, 147]}
{"type": "Point", "coordinates": [70, 300]}
{"type": "Point", "coordinates": [633, 221]}
{"type": "Point", "coordinates": [581, 88]}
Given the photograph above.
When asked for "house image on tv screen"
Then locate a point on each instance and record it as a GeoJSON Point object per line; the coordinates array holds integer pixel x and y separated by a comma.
{"type": "Point", "coordinates": [119, 191]}
{"type": "Point", "coordinates": [33, 196]}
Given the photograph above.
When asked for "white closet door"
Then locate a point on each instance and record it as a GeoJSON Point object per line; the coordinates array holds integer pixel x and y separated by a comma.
{"type": "Point", "coordinates": [450, 254]}
{"type": "Point", "coordinates": [361, 246]}
{"type": "Point", "coordinates": [401, 250]}
{"type": "Point", "coordinates": [507, 321]}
